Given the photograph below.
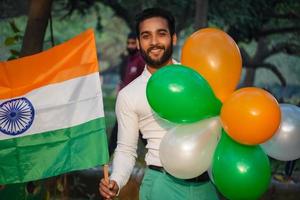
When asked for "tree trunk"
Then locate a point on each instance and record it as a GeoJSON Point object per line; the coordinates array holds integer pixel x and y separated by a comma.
{"type": "Point", "coordinates": [252, 63]}
{"type": "Point", "coordinates": [201, 14]}
{"type": "Point", "coordinates": [38, 15]}
{"type": "Point", "coordinates": [249, 77]}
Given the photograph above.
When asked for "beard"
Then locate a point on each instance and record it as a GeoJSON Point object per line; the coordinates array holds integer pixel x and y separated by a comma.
{"type": "Point", "coordinates": [132, 51]}
{"type": "Point", "coordinates": [157, 63]}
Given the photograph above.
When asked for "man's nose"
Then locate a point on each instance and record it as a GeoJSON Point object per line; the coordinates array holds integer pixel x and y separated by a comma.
{"type": "Point", "coordinates": [154, 40]}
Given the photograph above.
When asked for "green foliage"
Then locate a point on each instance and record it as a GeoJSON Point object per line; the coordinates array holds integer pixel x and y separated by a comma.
{"type": "Point", "coordinates": [9, 41]}
{"type": "Point", "coordinates": [246, 20]}
{"type": "Point", "coordinates": [11, 28]}
{"type": "Point", "coordinates": [264, 29]}
{"type": "Point", "coordinates": [13, 39]}
{"type": "Point", "coordinates": [110, 38]}
{"type": "Point", "coordinates": [20, 191]}
{"type": "Point", "coordinates": [127, 9]}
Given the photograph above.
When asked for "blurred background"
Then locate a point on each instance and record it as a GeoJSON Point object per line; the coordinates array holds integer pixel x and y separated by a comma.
{"type": "Point", "coordinates": [266, 31]}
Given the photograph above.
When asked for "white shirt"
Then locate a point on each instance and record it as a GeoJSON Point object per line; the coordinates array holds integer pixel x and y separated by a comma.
{"type": "Point", "coordinates": [134, 114]}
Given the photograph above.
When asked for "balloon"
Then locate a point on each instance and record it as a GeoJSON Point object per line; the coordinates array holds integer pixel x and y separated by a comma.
{"type": "Point", "coordinates": [215, 55]}
{"type": "Point", "coordinates": [240, 171]}
{"type": "Point", "coordinates": [285, 144]}
{"type": "Point", "coordinates": [186, 151]}
{"type": "Point", "coordinates": [211, 177]}
{"type": "Point", "coordinates": [181, 95]}
{"type": "Point", "coordinates": [250, 116]}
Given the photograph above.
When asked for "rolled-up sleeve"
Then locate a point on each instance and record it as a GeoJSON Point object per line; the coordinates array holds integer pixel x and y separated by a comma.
{"type": "Point", "coordinates": [125, 153]}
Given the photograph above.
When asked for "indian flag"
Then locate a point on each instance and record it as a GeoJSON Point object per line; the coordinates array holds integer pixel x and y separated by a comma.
{"type": "Point", "coordinates": [51, 112]}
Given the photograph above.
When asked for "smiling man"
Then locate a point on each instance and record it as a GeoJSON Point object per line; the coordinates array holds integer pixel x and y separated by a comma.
{"type": "Point", "coordinates": [155, 29]}
{"type": "Point", "coordinates": [156, 40]}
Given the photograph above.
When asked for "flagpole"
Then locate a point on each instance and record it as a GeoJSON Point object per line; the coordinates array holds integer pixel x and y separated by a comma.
{"type": "Point", "coordinates": [105, 172]}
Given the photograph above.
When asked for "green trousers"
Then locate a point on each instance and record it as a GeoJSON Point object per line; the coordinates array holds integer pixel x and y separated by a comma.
{"type": "Point", "coordinates": [162, 186]}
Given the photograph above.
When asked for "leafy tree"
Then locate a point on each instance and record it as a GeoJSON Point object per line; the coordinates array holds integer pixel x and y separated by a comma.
{"type": "Point", "coordinates": [10, 41]}
{"type": "Point", "coordinates": [39, 13]}
{"type": "Point", "coordinates": [126, 9]}
{"type": "Point", "coordinates": [274, 25]}
{"type": "Point", "coordinates": [12, 8]}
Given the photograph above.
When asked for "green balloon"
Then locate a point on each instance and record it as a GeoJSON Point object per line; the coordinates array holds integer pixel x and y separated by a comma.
{"type": "Point", "coordinates": [181, 95]}
{"type": "Point", "coordinates": [240, 171]}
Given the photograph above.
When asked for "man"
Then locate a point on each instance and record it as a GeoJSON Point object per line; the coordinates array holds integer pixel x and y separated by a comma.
{"type": "Point", "coordinates": [131, 67]}
{"type": "Point", "coordinates": [156, 37]}
{"type": "Point", "coordinates": [133, 64]}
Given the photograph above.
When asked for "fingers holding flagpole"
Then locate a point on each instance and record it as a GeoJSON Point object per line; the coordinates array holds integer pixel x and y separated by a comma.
{"type": "Point", "coordinates": [108, 188]}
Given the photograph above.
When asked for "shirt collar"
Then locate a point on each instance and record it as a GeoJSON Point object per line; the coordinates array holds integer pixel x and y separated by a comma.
{"type": "Point", "coordinates": [146, 74]}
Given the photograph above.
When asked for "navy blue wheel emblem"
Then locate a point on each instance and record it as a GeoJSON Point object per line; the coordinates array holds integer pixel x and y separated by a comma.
{"type": "Point", "coordinates": [16, 116]}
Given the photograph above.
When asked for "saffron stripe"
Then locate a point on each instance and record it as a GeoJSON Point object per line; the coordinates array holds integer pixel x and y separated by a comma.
{"type": "Point", "coordinates": [74, 58]}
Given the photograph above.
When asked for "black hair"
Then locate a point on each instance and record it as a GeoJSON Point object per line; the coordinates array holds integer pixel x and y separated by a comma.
{"type": "Point", "coordinates": [155, 12]}
{"type": "Point", "coordinates": [131, 35]}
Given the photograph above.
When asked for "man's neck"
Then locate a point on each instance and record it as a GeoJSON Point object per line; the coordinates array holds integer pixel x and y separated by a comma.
{"type": "Point", "coordinates": [152, 69]}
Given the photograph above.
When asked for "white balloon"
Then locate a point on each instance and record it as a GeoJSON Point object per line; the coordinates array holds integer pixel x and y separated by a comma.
{"type": "Point", "coordinates": [186, 151]}
{"type": "Point", "coordinates": [285, 143]}
{"type": "Point", "coordinates": [211, 177]}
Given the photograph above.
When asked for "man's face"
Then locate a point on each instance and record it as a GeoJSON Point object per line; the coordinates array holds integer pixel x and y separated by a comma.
{"type": "Point", "coordinates": [131, 46]}
{"type": "Point", "coordinates": [155, 42]}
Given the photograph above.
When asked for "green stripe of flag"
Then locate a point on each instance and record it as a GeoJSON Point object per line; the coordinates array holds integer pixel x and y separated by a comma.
{"type": "Point", "coordinates": [52, 153]}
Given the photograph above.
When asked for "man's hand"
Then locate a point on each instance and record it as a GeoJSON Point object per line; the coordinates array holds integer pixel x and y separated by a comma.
{"type": "Point", "coordinates": [108, 190]}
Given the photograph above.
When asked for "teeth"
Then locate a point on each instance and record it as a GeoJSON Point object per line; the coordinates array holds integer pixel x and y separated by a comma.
{"type": "Point", "coordinates": [155, 50]}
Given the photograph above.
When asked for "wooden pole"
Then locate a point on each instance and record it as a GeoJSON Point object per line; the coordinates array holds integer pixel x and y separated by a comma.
{"type": "Point", "coordinates": [105, 172]}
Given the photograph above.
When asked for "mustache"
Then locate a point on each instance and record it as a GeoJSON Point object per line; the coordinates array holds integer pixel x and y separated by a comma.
{"type": "Point", "coordinates": [155, 47]}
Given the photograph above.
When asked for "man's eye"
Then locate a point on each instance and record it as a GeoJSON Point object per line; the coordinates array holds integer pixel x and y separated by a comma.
{"type": "Point", "coordinates": [145, 36]}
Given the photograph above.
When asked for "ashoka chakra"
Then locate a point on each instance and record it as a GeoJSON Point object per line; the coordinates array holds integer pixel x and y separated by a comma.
{"type": "Point", "coordinates": [16, 116]}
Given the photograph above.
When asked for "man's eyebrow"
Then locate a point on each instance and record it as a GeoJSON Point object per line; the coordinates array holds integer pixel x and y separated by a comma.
{"type": "Point", "coordinates": [159, 30]}
{"type": "Point", "coordinates": [162, 30]}
{"type": "Point", "coordinates": [145, 32]}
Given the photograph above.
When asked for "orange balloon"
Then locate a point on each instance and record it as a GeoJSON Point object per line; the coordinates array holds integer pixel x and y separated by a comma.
{"type": "Point", "coordinates": [251, 116]}
{"type": "Point", "coordinates": [215, 55]}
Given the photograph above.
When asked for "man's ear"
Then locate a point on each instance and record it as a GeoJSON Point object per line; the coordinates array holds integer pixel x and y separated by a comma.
{"type": "Point", "coordinates": [137, 44]}
{"type": "Point", "coordinates": [174, 39]}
